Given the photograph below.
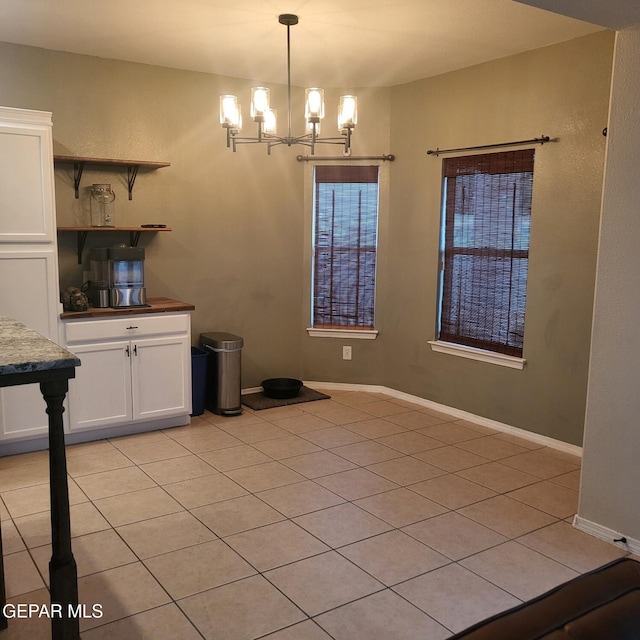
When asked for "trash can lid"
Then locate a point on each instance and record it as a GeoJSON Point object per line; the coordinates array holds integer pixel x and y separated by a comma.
{"type": "Point", "coordinates": [221, 340]}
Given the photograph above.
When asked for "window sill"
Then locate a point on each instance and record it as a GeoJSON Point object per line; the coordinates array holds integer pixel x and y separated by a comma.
{"type": "Point", "coordinates": [357, 334]}
{"type": "Point", "coordinates": [477, 354]}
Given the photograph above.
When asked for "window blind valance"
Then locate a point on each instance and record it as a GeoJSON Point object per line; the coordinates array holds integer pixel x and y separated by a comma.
{"type": "Point", "coordinates": [348, 174]}
{"type": "Point", "coordinates": [489, 163]}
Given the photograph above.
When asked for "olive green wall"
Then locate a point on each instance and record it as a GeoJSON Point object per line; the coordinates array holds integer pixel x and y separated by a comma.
{"type": "Point", "coordinates": [610, 469]}
{"type": "Point", "coordinates": [322, 357]}
{"type": "Point", "coordinates": [561, 91]}
{"type": "Point", "coordinates": [236, 246]}
{"type": "Point", "coordinates": [239, 249]}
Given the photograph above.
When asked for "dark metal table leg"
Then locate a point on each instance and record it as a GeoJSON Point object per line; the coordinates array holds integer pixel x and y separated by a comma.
{"type": "Point", "coordinates": [63, 575]}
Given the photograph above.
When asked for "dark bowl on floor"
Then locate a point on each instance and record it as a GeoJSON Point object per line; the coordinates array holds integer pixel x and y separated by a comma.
{"type": "Point", "coordinates": [281, 387]}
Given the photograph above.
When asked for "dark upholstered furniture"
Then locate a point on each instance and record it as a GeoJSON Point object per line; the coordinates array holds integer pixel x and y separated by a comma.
{"type": "Point", "coordinates": [601, 605]}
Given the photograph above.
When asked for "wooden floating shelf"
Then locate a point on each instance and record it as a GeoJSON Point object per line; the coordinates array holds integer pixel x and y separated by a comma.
{"type": "Point", "coordinates": [137, 228]}
{"type": "Point", "coordinates": [113, 161]}
{"type": "Point", "coordinates": [79, 163]}
{"type": "Point", "coordinates": [134, 234]}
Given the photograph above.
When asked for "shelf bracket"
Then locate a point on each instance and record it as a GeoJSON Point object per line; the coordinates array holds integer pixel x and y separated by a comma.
{"type": "Point", "coordinates": [134, 234]}
{"type": "Point", "coordinates": [134, 238]}
{"type": "Point", "coordinates": [132, 173]}
{"type": "Point", "coordinates": [78, 168]}
{"type": "Point", "coordinates": [81, 239]}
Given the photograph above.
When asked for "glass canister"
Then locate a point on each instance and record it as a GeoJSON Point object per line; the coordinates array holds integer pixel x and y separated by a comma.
{"type": "Point", "coordinates": [102, 206]}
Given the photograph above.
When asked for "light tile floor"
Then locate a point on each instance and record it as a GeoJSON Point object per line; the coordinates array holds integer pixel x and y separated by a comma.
{"type": "Point", "coordinates": [362, 516]}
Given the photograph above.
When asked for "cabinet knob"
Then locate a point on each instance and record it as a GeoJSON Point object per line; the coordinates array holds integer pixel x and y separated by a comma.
{"type": "Point", "coordinates": [127, 351]}
{"type": "Point", "coordinates": [132, 327]}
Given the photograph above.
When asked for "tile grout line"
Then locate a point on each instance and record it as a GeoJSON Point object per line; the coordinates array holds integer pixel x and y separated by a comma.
{"type": "Point", "coordinates": [335, 549]}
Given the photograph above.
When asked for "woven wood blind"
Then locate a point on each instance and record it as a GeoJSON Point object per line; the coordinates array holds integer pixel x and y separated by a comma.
{"type": "Point", "coordinates": [345, 245]}
{"type": "Point", "coordinates": [487, 217]}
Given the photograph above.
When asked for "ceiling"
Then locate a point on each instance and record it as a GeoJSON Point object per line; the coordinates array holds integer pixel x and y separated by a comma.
{"type": "Point", "coordinates": [613, 14]}
{"type": "Point", "coordinates": [337, 43]}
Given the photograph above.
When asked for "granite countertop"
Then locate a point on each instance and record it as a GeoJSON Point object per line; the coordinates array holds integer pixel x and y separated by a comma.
{"type": "Point", "coordinates": [23, 350]}
{"type": "Point", "coordinates": [155, 305]}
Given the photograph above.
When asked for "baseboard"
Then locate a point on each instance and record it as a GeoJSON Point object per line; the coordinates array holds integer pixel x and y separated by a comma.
{"type": "Point", "coordinates": [244, 392]}
{"type": "Point", "coordinates": [604, 533]}
{"type": "Point", "coordinates": [77, 437]}
{"type": "Point", "coordinates": [544, 441]}
{"type": "Point", "coordinates": [128, 429]}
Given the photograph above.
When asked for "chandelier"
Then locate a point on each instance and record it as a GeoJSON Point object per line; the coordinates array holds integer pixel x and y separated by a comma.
{"type": "Point", "coordinates": [265, 117]}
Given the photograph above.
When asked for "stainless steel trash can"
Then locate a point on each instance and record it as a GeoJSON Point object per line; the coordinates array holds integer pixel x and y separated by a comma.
{"type": "Point", "coordinates": [224, 366]}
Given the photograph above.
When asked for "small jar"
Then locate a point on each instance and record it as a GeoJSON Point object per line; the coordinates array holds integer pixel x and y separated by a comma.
{"type": "Point", "coordinates": [102, 206]}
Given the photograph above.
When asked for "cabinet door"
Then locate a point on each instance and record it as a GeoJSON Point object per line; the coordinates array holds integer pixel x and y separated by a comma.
{"type": "Point", "coordinates": [22, 413]}
{"type": "Point", "coordinates": [28, 288]}
{"type": "Point", "coordinates": [100, 394]}
{"type": "Point", "coordinates": [161, 377]}
{"type": "Point", "coordinates": [26, 177]}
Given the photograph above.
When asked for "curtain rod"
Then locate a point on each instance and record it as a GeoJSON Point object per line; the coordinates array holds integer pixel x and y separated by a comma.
{"type": "Point", "coordinates": [540, 140]}
{"type": "Point", "coordinates": [390, 157]}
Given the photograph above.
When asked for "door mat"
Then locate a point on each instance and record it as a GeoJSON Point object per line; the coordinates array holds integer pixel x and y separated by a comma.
{"type": "Point", "coordinates": [258, 401]}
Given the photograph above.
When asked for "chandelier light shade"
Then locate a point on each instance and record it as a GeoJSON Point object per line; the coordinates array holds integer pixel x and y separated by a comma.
{"type": "Point", "coordinates": [260, 97]}
{"type": "Point", "coordinates": [265, 117]}
{"type": "Point", "coordinates": [314, 104]}
{"type": "Point", "coordinates": [347, 112]}
{"type": "Point", "coordinates": [230, 113]}
{"type": "Point", "coordinates": [270, 119]}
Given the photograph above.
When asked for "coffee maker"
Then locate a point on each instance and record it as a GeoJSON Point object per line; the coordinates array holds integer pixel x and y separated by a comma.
{"type": "Point", "coordinates": [126, 282]}
{"type": "Point", "coordinates": [117, 277]}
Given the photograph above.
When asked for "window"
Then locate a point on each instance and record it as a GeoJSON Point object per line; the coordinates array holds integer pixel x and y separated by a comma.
{"type": "Point", "coordinates": [345, 231]}
{"type": "Point", "coordinates": [485, 250]}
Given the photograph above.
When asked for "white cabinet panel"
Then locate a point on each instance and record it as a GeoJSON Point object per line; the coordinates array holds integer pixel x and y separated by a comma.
{"type": "Point", "coordinates": [160, 385]}
{"type": "Point", "coordinates": [129, 327]}
{"type": "Point", "coordinates": [22, 412]}
{"type": "Point", "coordinates": [26, 183]}
{"type": "Point", "coordinates": [100, 394]}
{"type": "Point", "coordinates": [29, 289]}
{"type": "Point", "coordinates": [28, 282]}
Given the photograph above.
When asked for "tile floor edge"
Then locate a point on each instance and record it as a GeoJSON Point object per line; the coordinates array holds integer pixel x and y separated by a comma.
{"type": "Point", "coordinates": [546, 441]}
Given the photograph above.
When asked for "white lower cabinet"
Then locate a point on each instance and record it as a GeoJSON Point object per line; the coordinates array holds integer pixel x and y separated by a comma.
{"type": "Point", "coordinates": [100, 394]}
{"type": "Point", "coordinates": [135, 369]}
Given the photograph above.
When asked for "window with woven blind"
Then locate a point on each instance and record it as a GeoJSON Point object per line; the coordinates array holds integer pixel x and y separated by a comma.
{"type": "Point", "coordinates": [345, 234]}
{"type": "Point", "coordinates": [485, 250]}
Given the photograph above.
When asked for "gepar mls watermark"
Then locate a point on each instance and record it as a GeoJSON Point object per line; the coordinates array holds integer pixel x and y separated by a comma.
{"type": "Point", "coordinates": [53, 610]}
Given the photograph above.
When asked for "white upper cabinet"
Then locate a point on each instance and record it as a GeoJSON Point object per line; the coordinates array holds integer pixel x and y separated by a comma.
{"type": "Point", "coordinates": [26, 177]}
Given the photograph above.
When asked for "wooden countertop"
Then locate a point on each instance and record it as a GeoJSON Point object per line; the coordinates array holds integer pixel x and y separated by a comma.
{"type": "Point", "coordinates": [156, 305]}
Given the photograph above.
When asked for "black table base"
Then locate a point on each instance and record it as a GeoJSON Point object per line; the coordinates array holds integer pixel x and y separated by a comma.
{"type": "Point", "coordinates": [63, 575]}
